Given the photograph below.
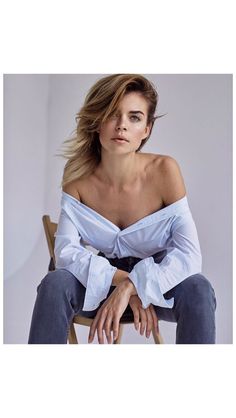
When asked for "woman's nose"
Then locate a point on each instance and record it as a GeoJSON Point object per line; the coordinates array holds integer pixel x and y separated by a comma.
{"type": "Point", "coordinates": [121, 123]}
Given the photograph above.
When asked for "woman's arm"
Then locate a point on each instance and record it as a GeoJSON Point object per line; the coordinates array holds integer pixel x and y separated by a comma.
{"type": "Point", "coordinates": [171, 181]}
{"type": "Point", "coordinates": [119, 277]}
{"type": "Point", "coordinates": [93, 271]}
{"type": "Point", "coordinates": [183, 257]}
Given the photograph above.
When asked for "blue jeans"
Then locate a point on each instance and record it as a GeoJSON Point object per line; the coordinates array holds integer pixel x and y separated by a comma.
{"type": "Point", "coordinates": [60, 296]}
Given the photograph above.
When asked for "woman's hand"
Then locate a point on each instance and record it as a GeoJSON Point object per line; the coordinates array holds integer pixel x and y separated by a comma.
{"type": "Point", "coordinates": [148, 318]}
{"type": "Point", "coordinates": [108, 316]}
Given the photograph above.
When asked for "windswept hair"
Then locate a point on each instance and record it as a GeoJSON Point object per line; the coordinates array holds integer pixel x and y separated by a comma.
{"type": "Point", "coordinates": [83, 150]}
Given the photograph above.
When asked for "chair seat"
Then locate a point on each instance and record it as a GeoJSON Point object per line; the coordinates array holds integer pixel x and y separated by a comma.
{"type": "Point", "coordinates": [83, 320]}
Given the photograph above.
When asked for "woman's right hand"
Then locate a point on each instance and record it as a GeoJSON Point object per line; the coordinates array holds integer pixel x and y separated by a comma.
{"type": "Point", "coordinates": [147, 317]}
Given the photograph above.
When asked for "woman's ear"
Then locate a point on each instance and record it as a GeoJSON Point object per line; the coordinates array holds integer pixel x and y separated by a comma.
{"type": "Point", "coordinates": [148, 129]}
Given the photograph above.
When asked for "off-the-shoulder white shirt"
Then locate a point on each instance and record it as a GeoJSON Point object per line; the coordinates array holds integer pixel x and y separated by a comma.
{"type": "Point", "coordinates": [171, 228]}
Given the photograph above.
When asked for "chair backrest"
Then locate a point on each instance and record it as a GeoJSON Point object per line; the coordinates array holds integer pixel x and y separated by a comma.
{"type": "Point", "coordinates": [50, 229]}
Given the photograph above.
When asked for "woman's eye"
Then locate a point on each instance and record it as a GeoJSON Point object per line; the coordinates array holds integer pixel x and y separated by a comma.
{"type": "Point", "coordinates": [113, 116]}
{"type": "Point", "coordinates": [135, 117]}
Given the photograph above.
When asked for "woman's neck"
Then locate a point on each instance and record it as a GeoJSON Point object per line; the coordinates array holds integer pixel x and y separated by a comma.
{"type": "Point", "coordinates": [119, 171]}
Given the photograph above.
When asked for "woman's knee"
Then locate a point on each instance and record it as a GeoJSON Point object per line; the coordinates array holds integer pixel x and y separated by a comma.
{"type": "Point", "coordinates": [198, 291]}
{"type": "Point", "coordinates": [56, 282]}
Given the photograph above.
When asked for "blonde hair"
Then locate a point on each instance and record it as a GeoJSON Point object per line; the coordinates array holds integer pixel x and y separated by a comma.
{"type": "Point", "coordinates": [83, 150]}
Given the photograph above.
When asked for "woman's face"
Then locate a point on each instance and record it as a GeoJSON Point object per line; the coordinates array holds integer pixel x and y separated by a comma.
{"type": "Point", "coordinates": [128, 122]}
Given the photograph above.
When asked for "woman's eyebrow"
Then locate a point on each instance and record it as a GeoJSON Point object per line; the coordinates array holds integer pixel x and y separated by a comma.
{"type": "Point", "coordinates": [136, 111]}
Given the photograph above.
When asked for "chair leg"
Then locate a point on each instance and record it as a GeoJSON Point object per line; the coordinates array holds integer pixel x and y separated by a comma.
{"type": "Point", "coordinates": [157, 336]}
{"type": "Point", "coordinates": [120, 332]}
{"type": "Point", "coordinates": [72, 335]}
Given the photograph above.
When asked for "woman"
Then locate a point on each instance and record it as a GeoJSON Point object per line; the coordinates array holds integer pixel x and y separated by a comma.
{"type": "Point", "coordinates": [133, 208]}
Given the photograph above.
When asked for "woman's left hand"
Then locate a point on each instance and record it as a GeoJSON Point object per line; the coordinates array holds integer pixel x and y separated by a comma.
{"type": "Point", "coordinates": [108, 316]}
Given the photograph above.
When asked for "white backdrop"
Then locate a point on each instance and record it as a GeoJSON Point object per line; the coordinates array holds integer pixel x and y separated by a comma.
{"type": "Point", "coordinates": [39, 113]}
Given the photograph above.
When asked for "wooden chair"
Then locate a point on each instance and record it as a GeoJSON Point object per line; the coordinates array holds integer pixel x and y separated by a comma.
{"type": "Point", "coordinates": [50, 229]}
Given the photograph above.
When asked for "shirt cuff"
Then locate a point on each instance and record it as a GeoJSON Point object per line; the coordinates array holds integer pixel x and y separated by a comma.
{"type": "Point", "coordinates": [99, 282]}
{"type": "Point", "coordinates": [143, 276]}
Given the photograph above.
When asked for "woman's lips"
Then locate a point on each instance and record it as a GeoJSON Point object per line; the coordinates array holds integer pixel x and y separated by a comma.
{"type": "Point", "coordinates": [120, 140]}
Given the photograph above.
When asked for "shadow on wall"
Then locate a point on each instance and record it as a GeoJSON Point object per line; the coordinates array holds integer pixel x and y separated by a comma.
{"type": "Point", "coordinates": [20, 294]}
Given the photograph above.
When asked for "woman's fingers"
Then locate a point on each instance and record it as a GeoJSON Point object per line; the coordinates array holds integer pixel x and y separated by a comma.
{"type": "Point", "coordinates": [143, 322]}
{"type": "Point", "coordinates": [97, 325]}
{"type": "Point", "coordinates": [100, 327]}
{"type": "Point", "coordinates": [155, 319]}
{"type": "Point", "coordinates": [93, 328]}
{"type": "Point", "coordinates": [107, 328]}
{"type": "Point", "coordinates": [110, 312]}
{"type": "Point", "coordinates": [136, 318]}
{"type": "Point", "coordinates": [103, 322]}
{"type": "Point", "coordinates": [116, 322]}
{"type": "Point", "coordinates": [149, 323]}
{"type": "Point", "coordinates": [148, 320]}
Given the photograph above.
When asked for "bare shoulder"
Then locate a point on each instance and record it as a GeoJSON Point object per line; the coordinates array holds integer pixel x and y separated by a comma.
{"type": "Point", "coordinates": [72, 188]}
{"type": "Point", "coordinates": [169, 175]}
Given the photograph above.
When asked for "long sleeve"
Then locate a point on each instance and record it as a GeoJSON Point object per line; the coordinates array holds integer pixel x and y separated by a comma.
{"type": "Point", "coordinates": [182, 260]}
{"type": "Point", "coordinates": [94, 272]}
